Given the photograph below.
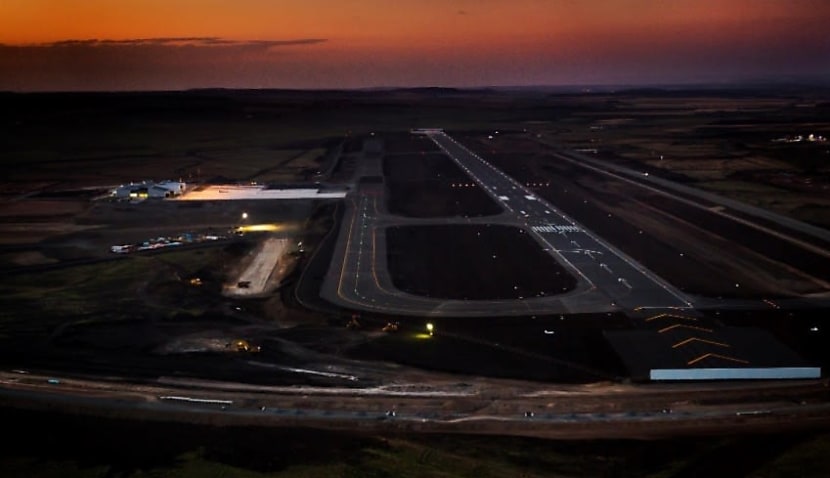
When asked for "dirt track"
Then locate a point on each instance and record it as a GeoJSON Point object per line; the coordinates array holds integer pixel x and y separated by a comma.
{"type": "Point", "coordinates": [477, 406]}
{"type": "Point", "coordinates": [266, 263]}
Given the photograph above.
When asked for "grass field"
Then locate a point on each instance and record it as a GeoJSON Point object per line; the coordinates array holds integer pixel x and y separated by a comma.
{"type": "Point", "coordinates": [136, 286]}
{"type": "Point", "coordinates": [53, 447]}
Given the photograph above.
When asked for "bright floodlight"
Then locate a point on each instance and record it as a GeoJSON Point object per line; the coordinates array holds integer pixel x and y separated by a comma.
{"type": "Point", "coordinates": [244, 215]}
{"type": "Point", "coordinates": [430, 328]}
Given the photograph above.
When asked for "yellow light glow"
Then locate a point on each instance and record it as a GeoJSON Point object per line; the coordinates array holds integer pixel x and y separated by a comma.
{"type": "Point", "coordinates": [260, 228]}
{"type": "Point", "coordinates": [422, 336]}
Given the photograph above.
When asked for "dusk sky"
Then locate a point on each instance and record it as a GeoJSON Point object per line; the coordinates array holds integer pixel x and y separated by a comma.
{"type": "Point", "coordinates": [181, 44]}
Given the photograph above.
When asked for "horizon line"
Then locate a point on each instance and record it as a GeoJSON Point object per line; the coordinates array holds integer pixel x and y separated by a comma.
{"type": "Point", "coordinates": [586, 87]}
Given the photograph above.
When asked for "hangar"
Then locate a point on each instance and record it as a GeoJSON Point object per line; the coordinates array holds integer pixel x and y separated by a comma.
{"type": "Point", "coordinates": [149, 189]}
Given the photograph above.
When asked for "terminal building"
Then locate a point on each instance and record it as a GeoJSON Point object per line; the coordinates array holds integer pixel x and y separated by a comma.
{"type": "Point", "coordinates": [149, 189]}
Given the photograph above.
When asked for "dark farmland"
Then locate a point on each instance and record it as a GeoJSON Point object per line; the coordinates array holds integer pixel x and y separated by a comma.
{"type": "Point", "coordinates": [78, 445]}
{"type": "Point", "coordinates": [472, 262]}
{"type": "Point", "coordinates": [431, 185]}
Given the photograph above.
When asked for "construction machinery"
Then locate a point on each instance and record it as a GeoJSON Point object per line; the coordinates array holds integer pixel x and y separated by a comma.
{"type": "Point", "coordinates": [242, 345]}
{"type": "Point", "coordinates": [391, 327]}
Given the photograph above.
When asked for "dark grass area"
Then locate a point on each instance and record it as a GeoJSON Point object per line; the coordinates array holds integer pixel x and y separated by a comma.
{"type": "Point", "coordinates": [422, 167]}
{"type": "Point", "coordinates": [126, 447]}
{"type": "Point", "coordinates": [109, 352]}
{"type": "Point", "coordinates": [507, 347]}
{"type": "Point", "coordinates": [472, 262]}
{"type": "Point", "coordinates": [433, 199]}
{"type": "Point", "coordinates": [404, 142]}
{"type": "Point", "coordinates": [432, 185]}
{"type": "Point", "coordinates": [52, 444]}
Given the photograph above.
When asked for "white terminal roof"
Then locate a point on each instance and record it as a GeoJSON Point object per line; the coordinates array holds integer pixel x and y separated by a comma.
{"type": "Point", "coordinates": [236, 192]}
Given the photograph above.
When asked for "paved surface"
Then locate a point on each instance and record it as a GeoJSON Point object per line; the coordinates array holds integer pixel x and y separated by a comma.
{"type": "Point", "coordinates": [505, 408]}
{"type": "Point", "coordinates": [234, 192]}
{"type": "Point", "coordinates": [607, 279]}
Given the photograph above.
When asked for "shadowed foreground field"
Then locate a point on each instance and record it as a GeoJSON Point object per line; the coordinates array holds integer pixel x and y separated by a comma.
{"type": "Point", "coordinates": [75, 446]}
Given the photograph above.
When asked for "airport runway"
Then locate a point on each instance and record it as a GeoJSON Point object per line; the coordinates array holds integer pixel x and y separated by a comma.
{"type": "Point", "coordinates": [623, 280]}
{"type": "Point", "coordinates": [607, 279]}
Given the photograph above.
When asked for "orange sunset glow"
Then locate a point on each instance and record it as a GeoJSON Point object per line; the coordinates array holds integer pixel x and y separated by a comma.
{"type": "Point", "coordinates": [176, 44]}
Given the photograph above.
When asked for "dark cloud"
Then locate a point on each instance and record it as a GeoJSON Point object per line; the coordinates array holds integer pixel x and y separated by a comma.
{"type": "Point", "coordinates": [169, 41]}
{"type": "Point", "coordinates": [660, 55]}
{"type": "Point", "coordinates": [149, 63]}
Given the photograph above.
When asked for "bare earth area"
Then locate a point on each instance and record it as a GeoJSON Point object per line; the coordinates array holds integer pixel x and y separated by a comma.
{"type": "Point", "coordinates": [266, 268]}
